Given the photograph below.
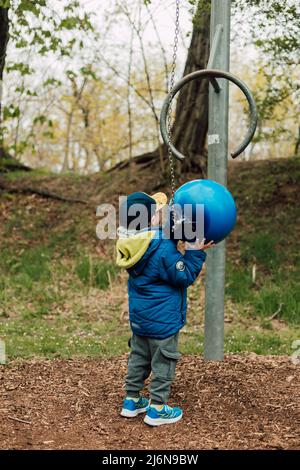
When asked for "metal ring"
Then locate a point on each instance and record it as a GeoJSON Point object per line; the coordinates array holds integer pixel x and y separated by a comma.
{"type": "Point", "coordinates": [208, 73]}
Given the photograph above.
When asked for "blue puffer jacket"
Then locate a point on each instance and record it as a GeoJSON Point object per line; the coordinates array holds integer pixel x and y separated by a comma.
{"type": "Point", "coordinates": [157, 284]}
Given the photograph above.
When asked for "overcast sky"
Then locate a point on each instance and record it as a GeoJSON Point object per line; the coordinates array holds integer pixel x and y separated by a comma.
{"type": "Point", "coordinates": [164, 14]}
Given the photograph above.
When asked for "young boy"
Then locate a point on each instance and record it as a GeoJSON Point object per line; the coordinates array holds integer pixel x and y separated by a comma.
{"type": "Point", "coordinates": [157, 288]}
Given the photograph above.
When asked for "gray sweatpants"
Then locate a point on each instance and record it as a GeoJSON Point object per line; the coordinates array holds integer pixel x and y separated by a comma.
{"type": "Point", "coordinates": [158, 356]}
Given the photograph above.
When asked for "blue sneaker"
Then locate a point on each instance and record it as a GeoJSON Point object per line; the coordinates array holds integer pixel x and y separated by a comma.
{"type": "Point", "coordinates": [132, 408]}
{"type": "Point", "coordinates": [165, 416]}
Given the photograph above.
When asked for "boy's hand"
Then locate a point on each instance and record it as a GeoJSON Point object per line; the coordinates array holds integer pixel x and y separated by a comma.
{"type": "Point", "coordinates": [197, 245]}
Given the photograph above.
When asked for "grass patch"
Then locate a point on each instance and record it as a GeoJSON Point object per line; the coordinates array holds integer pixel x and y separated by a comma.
{"type": "Point", "coordinates": [282, 298]}
{"type": "Point", "coordinates": [239, 340]}
{"type": "Point", "coordinates": [63, 337]}
{"type": "Point", "coordinates": [95, 273]}
{"type": "Point", "coordinates": [68, 337]}
{"type": "Point", "coordinates": [260, 248]}
{"type": "Point", "coordinates": [52, 284]}
{"type": "Point", "coordinates": [30, 264]}
{"type": "Point", "coordinates": [32, 175]}
{"type": "Point", "coordinates": [239, 285]}
{"type": "Point", "coordinates": [275, 294]}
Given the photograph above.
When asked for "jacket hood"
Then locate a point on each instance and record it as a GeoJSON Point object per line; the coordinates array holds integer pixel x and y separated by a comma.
{"type": "Point", "coordinates": [132, 249]}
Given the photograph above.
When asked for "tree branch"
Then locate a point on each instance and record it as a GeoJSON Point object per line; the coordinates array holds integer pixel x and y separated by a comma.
{"type": "Point", "coordinates": [39, 192]}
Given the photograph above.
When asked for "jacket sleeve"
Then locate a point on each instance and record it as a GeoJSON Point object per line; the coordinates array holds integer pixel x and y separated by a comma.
{"type": "Point", "coordinates": [180, 270]}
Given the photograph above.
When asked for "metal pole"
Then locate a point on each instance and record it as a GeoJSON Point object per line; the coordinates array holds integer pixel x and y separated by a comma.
{"type": "Point", "coordinates": [214, 46]}
{"type": "Point", "coordinates": [217, 171]}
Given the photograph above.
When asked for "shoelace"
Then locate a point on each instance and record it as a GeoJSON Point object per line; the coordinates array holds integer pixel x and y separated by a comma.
{"type": "Point", "coordinates": [167, 412]}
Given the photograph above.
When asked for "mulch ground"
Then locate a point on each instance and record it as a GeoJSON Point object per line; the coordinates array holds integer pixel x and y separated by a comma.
{"type": "Point", "coordinates": [245, 402]}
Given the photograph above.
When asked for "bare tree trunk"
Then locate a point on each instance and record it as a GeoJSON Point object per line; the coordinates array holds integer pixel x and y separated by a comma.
{"type": "Point", "coordinates": [87, 138]}
{"type": "Point", "coordinates": [77, 94]}
{"type": "Point", "coordinates": [129, 111]}
{"type": "Point", "coordinates": [65, 165]}
{"type": "Point", "coordinates": [297, 145]}
{"type": "Point", "coordinates": [4, 36]}
{"type": "Point", "coordinates": [191, 122]}
{"type": "Point", "coordinates": [191, 119]}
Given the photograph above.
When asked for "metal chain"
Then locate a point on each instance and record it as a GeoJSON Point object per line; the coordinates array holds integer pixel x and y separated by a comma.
{"type": "Point", "coordinates": [169, 118]}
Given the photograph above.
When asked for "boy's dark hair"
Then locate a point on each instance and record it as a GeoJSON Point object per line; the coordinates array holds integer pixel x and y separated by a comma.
{"type": "Point", "coordinates": [139, 199]}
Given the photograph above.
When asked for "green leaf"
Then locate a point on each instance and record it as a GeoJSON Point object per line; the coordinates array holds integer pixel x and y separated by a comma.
{"type": "Point", "coordinates": [11, 112]}
{"type": "Point", "coordinates": [70, 23]}
{"type": "Point", "coordinates": [88, 72]}
{"type": "Point", "coordinates": [40, 119]}
{"type": "Point", "coordinates": [5, 3]}
{"type": "Point", "coordinates": [26, 5]}
{"type": "Point", "coordinates": [48, 134]}
{"type": "Point", "coordinates": [21, 43]}
{"type": "Point", "coordinates": [52, 81]}
{"type": "Point", "coordinates": [43, 50]}
{"type": "Point", "coordinates": [24, 69]}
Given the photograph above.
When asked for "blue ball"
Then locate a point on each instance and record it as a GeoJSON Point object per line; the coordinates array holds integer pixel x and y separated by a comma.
{"type": "Point", "coordinates": [219, 207]}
